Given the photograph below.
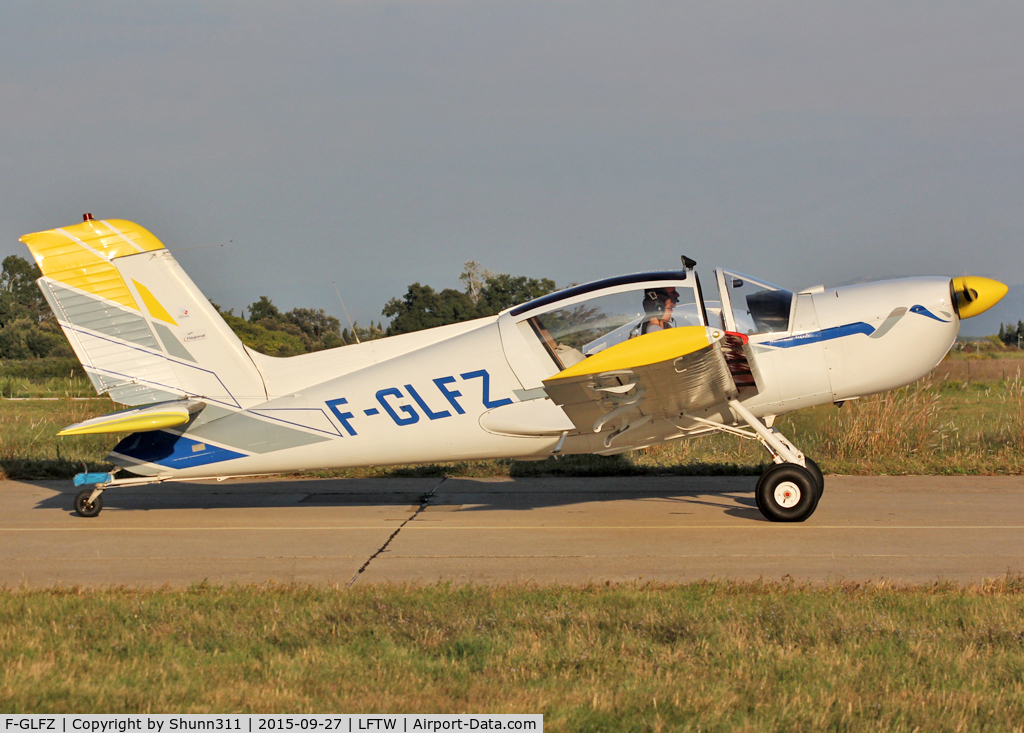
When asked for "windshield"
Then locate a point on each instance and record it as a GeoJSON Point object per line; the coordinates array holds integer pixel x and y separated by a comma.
{"type": "Point", "coordinates": [757, 306]}
{"type": "Point", "coordinates": [572, 333]}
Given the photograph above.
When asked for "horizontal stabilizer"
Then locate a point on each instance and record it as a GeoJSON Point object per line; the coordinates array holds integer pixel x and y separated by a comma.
{"type": "Point", "coordinates": [153, 417]}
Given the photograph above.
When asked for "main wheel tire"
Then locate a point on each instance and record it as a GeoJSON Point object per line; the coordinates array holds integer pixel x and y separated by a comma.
{"type": "Point", "coordinates": [787, 492]}
{"type": "Point", "coordinates": [757, 494]}
{"type": "Point", "coordinates": [84, 507]}
{"type": "Point", "coordinates": [819, 477]}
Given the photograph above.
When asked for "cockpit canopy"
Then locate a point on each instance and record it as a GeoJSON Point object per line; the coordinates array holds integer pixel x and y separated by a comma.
{"type": "Point", "coordinates": [579, 322]}
{"type": "Point", "coordinates": [754, 306]}
{"type": "Point", "coordinates": [554, 332]}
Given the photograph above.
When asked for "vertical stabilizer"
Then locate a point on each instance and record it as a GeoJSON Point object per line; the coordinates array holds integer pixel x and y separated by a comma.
{"type": "Point", "coordinates": [141, 328]}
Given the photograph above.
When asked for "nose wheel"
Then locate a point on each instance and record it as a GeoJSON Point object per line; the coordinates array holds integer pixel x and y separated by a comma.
{"type": "Point", "coordinates": [819, 477]}
{"type": "Point", "coordinates": [788, 492]}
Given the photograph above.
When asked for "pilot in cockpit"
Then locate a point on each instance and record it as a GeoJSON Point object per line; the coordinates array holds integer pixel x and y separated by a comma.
{"type": "Point", "coordinates": [658, 306]}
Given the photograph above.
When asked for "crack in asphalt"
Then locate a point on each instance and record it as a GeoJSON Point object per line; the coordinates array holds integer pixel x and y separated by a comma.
{"type": "Point", "coordinates": [424, 501]}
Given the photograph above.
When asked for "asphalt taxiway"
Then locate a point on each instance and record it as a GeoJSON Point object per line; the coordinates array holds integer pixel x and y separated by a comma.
{"type": "Point", "coordinates": [547, 530]}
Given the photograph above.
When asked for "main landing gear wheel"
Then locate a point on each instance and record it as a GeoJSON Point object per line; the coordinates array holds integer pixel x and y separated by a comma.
{"type": "Point", "coordinates": [819, 477]}
{"type": "Point", "coordinates": [787, 492]}
{"type": "Point", "coordinates": [84, 507]}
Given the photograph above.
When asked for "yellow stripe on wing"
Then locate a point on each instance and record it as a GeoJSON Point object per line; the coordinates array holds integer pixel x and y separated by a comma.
{"type": "Point", "coordinates": [648, 349]}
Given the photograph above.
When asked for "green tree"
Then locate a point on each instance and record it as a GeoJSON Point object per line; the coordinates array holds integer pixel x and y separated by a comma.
{"type": "Point", "coordinates": [486, 294]}
{"type": "Point", "coordinates": [264, 340]}
{"type": "Point", "coordinates": [263, 309]}
{"type": "Point", "coordinates": [299, 331]}
{"type": "Point", "coordinates": [20, 297]}
{"type": "Point", "coordinates": [422, 307]}
{"type": "Point", "coordinates": [1010, 334]}
{"type": "Point", "coordinates": [374, 331]}
{"type": "Point", "coordinates": [318, 330]}
{"type": "Point", "coordinates": [504, 291]}
{"type": "Point", "coordinates": [28, 329]}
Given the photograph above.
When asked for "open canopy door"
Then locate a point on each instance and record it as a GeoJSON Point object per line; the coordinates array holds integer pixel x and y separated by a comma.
{"type": "Point", "coordinates": [751, 306]}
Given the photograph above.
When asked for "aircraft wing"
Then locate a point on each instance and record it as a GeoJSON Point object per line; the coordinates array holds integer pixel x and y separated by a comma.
{"type": "Point", "coordinates": [660, 374]}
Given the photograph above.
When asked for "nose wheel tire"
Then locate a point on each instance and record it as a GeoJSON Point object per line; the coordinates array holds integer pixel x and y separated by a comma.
{"type": "Point", "coordinates": [84, 507]}
{"type": "Point", "coordinates": [787, 492]}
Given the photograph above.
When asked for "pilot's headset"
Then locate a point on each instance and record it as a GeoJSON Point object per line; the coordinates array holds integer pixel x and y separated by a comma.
{"type": "Point", "coordinates": [654, 302]}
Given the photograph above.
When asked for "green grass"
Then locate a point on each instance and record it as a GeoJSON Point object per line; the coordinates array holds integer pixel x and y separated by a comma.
{"type": "Point", "coordinates": [942, 428]}
{"type": "Point", "coordinates": [46, 368]}
{"type": "Point", "coordinates": [30, 448]}
{"type": "Point", "coordinates": [53, 388]}
{"type": "Point", "coordinates": [947, 427]}
{"type": "Point", "coordinates": [711, 656]}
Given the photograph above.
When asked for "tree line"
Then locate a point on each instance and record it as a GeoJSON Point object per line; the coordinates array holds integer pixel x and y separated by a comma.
{"type": "Point", "coordinates": [1012, 335]}
{"type": "Point", "coordinates": [484, 294]}
{"type": "Point", "coordinates": [28, 329]}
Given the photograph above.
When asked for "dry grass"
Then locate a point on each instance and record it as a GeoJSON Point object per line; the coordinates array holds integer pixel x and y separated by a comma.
{"type": "Point", "coordinates": [932, 428]}
{"type": "Point", "coordinates": [927, 428]}
{"type": "Point", "coordinates": [706, 656]}
{"type": "Point", "coordinates": [973, 368]}
{"type": "Point", "coordinates": [1012, 413]}
{"type": "Point", "coordinates": [907, 421]}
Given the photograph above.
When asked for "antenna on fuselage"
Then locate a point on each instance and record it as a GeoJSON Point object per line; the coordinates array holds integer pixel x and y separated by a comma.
{"type": "Point", "coordinates": [351, 325]}
{"type": "Point", "coordinates": [688, 264]}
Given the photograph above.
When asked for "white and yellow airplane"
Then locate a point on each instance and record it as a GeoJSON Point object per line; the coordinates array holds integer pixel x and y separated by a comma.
{"type": "Point", "coordinates": [606, 367]}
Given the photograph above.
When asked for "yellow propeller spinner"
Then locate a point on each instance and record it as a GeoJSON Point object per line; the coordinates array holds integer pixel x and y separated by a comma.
{"type": "Point", "coordinates": [974, 295]}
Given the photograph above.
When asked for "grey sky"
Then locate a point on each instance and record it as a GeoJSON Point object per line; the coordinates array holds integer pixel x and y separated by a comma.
{"type": "Point", "coordinates": [379, 143]}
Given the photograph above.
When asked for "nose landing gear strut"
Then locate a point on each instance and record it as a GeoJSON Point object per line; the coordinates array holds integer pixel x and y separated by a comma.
{"type": "Point", "coordinates": [790, 490]}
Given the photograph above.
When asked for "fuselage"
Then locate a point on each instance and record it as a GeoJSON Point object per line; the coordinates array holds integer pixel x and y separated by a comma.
{"type": "Point", "coordinates": [475, 390]}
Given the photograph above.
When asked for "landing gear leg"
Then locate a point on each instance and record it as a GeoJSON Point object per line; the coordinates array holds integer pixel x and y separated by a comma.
{"type": "Point", "coordinates": [788, 491]}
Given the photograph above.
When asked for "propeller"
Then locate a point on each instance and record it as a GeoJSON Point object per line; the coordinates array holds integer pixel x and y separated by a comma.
{"type": "Point", "coordinates": [974, 295]}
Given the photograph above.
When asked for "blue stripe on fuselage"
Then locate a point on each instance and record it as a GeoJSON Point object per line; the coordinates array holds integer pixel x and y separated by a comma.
{"type": "Point", "coordinates": [922, 311]}
{"type": "Point", "coordinates": [836, 332]}
{"type": "Point", "coordinates": [826, 334]}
